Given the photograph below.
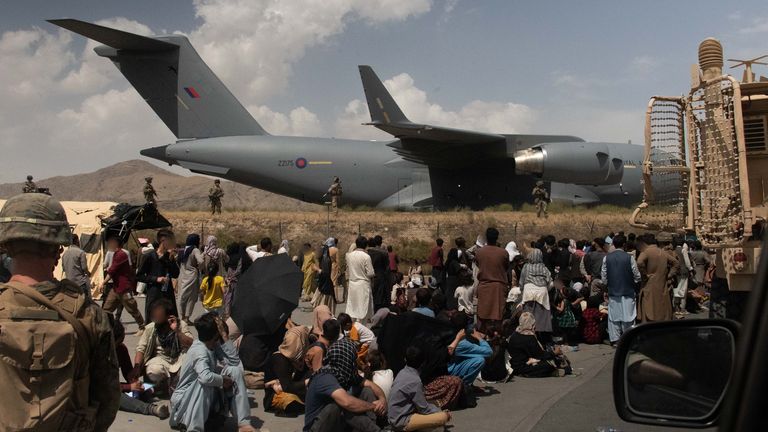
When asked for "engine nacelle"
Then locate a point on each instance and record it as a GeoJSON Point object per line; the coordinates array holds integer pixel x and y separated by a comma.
{"type": "Point", "coordinates": [582, 163]}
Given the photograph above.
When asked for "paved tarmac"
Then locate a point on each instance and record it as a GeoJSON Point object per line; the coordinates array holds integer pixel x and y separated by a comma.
{"type": "Point", "coordinates": [582, 402]}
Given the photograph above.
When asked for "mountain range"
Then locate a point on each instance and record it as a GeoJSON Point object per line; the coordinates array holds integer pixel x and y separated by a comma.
{"type": "Point", "coordinates": [124, 182]}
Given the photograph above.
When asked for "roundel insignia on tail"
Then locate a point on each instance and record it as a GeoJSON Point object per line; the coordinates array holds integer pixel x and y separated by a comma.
{"type": "Point", "coordinates": [301, 163]}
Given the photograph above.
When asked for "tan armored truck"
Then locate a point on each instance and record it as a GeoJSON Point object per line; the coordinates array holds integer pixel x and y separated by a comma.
{"type": "Point", "coordinates": [706, 165]}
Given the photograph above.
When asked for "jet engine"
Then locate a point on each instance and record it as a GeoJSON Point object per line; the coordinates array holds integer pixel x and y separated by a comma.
{"type": "Point", "coordinates": [583, 163]}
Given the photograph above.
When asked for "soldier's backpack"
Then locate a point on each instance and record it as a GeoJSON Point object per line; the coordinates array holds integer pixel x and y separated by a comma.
{"type": "Point", "coordinates": [44, 353]}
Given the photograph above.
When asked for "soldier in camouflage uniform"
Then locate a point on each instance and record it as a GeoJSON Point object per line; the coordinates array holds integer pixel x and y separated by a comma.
{"type": "Point", "coordinates": [540, 199]}
{"type": "Point", "coordinates": [61, 367]}
{"type": "Point", "coordinates": [150, 195]}
{"type": "Point", "coordinates": [214, 196]}
{"type": "Point", "coordinates": [29, 185]}
{"type": "Point", "coordinates": [335, 192]}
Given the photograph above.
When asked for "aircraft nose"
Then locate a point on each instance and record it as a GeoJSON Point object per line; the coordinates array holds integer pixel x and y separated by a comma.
{"type": "Point", "coordinates": [159, 153]}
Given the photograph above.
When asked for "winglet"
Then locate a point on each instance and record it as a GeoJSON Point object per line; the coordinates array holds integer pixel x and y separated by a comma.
{"type": "Point", "coordinates": [383, 108]}
{"type": "Point", "coordinates": [117, 39]}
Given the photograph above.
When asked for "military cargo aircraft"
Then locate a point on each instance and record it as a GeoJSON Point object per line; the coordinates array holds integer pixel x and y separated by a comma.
{"type": "Point", "coordinates": [424, 167]}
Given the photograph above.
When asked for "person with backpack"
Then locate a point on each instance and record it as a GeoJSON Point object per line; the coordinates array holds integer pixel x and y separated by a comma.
{"type": "Point", "coordinates": [60, 364]}
{"type": "Point", "coordinates": [326, 286]}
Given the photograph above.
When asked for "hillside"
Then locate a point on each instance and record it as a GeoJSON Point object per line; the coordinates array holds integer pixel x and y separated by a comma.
{"type": "Point", "coordinates": [123, 182]}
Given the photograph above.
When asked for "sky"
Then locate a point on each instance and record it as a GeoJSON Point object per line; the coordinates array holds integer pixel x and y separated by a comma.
{"type": "Point", "coordinates": [583, 68]}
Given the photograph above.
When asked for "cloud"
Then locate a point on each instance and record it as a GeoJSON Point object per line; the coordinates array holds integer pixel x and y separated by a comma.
{"type": "Point", "coordinates": [483, 116]}
{"type": "Point", "coordinates": [265, 38]}
{"type": "Point", "coordinates": [757, 25]}
{"type": "Point", "coordinates": [65, 110]}
{"type": "Point", "coordinates": [299, 122]}
{"type": "Point", "coordinates": [643, 65]}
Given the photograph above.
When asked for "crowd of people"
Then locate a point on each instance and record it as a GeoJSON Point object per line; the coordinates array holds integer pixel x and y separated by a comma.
{"type": "Point", "coordinates": [409, 346]}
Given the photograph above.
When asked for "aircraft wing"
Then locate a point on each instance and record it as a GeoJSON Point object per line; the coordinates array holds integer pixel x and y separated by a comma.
{"type": "Point", "coordinates": [387, 116]}
{"type": "Point", "coordinates": [437, 146]}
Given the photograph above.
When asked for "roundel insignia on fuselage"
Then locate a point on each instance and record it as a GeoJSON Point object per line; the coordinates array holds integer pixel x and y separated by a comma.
{"type": "Point", "coordinates": [301, 163]}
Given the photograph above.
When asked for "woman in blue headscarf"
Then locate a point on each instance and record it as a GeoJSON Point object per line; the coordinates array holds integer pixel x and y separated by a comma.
{"type": "Point", "coordinates": [190, 263]}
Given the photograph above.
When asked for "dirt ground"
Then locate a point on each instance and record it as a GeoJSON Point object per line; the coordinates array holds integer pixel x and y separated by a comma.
{"type": "Point", "coordinates": [412, 234]}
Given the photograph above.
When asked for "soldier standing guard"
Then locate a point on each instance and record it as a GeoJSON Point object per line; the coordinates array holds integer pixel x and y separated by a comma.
{"type": "Point", "coordinates": [214, 196]}
{"type": "Point", "coordinates": [335, 192]}
{"type": "Point", "coordinates": [59, 350]}
{"type": "Point", "coordinates": [540, 199]}
{"type": "Point", "coordinates": [149, 191]}
{"type": "Point", "coordinates": [29, 185]}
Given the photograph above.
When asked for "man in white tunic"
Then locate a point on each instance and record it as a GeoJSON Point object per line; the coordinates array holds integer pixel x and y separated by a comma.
{"type": "Point", "coordinates": [211, 379]}
{"type": "Point", "coordinates": [360, 272]}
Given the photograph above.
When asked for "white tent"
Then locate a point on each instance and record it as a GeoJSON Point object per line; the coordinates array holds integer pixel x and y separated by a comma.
{"type": "Point", "coordinates": [84, 217]}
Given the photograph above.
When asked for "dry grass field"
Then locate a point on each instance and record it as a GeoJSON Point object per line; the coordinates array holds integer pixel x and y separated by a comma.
{"type": "Point", "coordinates": [410, 233]}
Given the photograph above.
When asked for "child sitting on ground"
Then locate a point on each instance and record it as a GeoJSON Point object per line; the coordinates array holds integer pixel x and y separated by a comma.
{"type": "Point", "coordinates": [358, 333]}
{"type": "Point", "coordinates": [212, 289]}
{"type": "Point", "coordinates": [465, 294]}
{"type": "Point", "coordinates": [399, 298]}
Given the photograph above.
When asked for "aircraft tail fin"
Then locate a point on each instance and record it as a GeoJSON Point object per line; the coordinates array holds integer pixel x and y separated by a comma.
{"type": "Point", "coordinates": [172, 78]}
{"type": "Point", "coordinates": [384, 110]}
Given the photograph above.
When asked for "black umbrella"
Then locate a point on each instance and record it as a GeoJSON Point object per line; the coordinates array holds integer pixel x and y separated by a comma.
{"type": "Point", "coordinates": [127, 218]}
{"type": "Point", "coordinates": [266, 295]}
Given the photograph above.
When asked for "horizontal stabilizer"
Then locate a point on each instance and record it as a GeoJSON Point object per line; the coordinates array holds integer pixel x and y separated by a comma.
{"type": "Point", "coordinates": [111, 37]}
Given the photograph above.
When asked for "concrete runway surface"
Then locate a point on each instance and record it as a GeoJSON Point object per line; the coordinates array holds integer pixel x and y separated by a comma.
{"type": "Point", "coordinates": [582, 402]}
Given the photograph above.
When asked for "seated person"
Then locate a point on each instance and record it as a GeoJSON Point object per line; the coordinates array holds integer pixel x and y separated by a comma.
{"type": "Point", "coordinates": [408, 408]}
{"type": "Point", "coordinates": [320, 314]}
{"type": "Point", "coordinates": [128, 403]}
{"type": "Point", "coordinates": [465, 294]}
{"type": "Point", "coordinates": [375, 369]}
{"type": "Point", "coordinates": [316, 352]}
{"type": "Point", "coordinates": [212, 289]}
{"type": "Point", "coordinates": [423, 300]}
{"type": "Point", "coordinates": [338, 395]}
{"type": "Point", "coordinates": [284, 373]}
{"type": "Point", "coordinates": [565, 327]}
{"type": "Point", "coordinates": [470, 353]}
{"type": "Point", "coordinates": [254, 350]}
{"type": "Point", "coordinates": [526, 356]}
{"type": "Point", "coordinates": [204, 385]}
{"type": "Point", "coordinates": [399, 296]}
{"type": "Point", "coordinates": [358, 333]}
{"type": "Point", "coordinates": [496, 369]}
{"type": "Point", "coordinates": [163, 345]}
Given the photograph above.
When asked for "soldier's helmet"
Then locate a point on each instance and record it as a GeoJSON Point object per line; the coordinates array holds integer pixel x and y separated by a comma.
{"type": "Point", "coordinates": [336, 180]}
{"type": "Point", "coordinates": [29, 177]}
{"type": "Point", "coordinates": [540, 183]}
{"type": "Point", "coordinates": [148, 179]}
{"type": "Point", "coordinates": [217, 181]}
{"type": "Point", "coordinates": [34, 217]}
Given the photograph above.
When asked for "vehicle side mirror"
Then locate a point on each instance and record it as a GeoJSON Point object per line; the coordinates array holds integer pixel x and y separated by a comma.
{"type": "Point", "coordinates": [674, 373]}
